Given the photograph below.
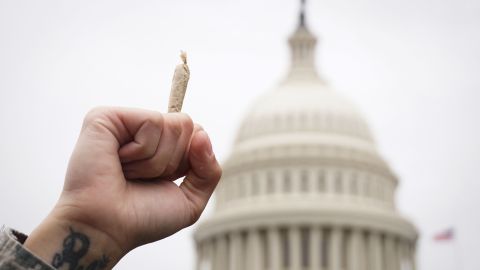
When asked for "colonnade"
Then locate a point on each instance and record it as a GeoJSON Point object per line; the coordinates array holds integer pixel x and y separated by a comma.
{"type": "Point", "coordinates": [306, 248]}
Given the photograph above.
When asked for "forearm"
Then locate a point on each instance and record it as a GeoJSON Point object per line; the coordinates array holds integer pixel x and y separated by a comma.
{"type": "Point", "coordinates": [69, 245]}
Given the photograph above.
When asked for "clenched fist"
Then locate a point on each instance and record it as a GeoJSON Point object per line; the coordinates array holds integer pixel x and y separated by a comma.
{"type": "Point", "coordinates": [119, 191]}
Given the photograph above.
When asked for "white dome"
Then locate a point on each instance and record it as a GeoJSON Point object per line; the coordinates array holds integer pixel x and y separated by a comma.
{"type": "Point", "coordinates": [303, 120]}
{"type": "Point", "coordinates": [304, 175]}
{"type": "Point", "coordinates": [304, 106]}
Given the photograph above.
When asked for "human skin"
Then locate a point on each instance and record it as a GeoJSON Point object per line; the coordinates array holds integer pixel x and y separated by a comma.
{"type": "Point", "coordinates": [119, 191]}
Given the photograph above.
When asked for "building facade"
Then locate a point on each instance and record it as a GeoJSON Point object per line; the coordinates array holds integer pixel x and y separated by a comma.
{"type": "Point", "coordinates": [304, 187]}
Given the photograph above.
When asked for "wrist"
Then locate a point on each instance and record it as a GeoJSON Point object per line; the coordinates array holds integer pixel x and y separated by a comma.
{"type": "Point", "coordinates": [71, 245]}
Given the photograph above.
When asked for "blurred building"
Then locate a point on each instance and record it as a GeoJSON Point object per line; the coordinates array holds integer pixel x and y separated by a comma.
{"type": "Point", "coordinates": [304, 187]}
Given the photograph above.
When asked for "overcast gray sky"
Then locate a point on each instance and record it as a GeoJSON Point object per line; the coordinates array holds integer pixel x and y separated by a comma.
{"type": "Point", "coordinates": [413, 66]}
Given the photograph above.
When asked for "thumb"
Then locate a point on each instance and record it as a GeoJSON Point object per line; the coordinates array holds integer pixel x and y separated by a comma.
{"type": "Point", "coordinates": [203, 176]}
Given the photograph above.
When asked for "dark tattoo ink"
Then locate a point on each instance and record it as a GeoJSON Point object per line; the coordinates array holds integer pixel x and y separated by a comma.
{"type": "Point", "coordinates": [75, 246]}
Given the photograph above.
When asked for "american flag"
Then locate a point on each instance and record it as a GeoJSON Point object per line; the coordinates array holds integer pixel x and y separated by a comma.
{"type": "Point", "coordinates": [446, 235]}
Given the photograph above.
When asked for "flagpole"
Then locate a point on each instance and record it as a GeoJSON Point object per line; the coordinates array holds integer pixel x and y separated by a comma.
{"type": "Point", "coordinates": [456, 252]}
{"type": "Point", "coordinates": [456, 241]}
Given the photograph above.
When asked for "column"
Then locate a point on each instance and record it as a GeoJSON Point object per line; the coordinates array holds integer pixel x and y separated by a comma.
{"type": "Point", "coordinates": [236, 257]}
{"type": "Point", "coordinates": [374, 248]}
{"type": "Point", "coordinates": [353, 250]}
{"type": "Point", "coordinates": [274, 247]}
{"type": "Point", "coordinates": [254, 250]}
{"type": "Point", "coordinates": [295, 248]}
{"type": "Point", "coordinates": [402, 254]}
{"type": "Point", "coordinates": [315, 248]}
{"type": "Point", "coordinates": [412, 256]}
{"type": "Point", "coordinates": [363, 252]}
{"type": "Point", "coordinates": [363, 255]}
{"type": "Point", "coordinates": [214, 255]}
{"type": "Point", "coordinates": [208, 247]}
{"type": "Point", "coordinates": [335, 249]}
{"type": "Point", "coordinates": [396, 255]}
{"type": "Point", "coordinates": [389, 257]}
{"type": "Point", "coordinates": [221, 253]}
{"type": "Point", "coordinates": [199, 249]}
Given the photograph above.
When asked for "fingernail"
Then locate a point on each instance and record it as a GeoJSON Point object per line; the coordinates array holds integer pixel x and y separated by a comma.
{"type": "Point", "coordinates": [208, 146]}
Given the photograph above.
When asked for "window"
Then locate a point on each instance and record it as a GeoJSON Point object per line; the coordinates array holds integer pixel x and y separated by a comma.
{"type": "Point", "coordinates": [321, 181]}
{"type": "Point", "coordinates": [368, 191]}
{"type": "Point", "coordinates": [289, 121]}
{"type": "Point", "coordinates": [270, 183]}
{"type": "Point", "coordinates": [304, 119]}
{"type": "Point", "coordinates": [242, 190]}
{"type": "Point", "coordinates": [254, 185]}
{"type": "Point", "coordinates": [287, 183]}
{"type": "Point", "coordinates": [317, 121]}
{"type": "Point", "coordinates": [383, 192]}
{"type": "Point", "coordinates": [338, 183]}
{"type": "Point", "coordinates": [277, 121]}
{"type": "Point", "coordinates": [374, 188]}
{"type": "Point", "coordinates": [304, 181]}
{"type": "Point", "coordinates": [391, 193]}
{"type": "Point", "coordinates": [354, 185]}
{"type": "Point", "coordinates": [362, 186]}
{"type": "Point", "coordinates": [328, 120]}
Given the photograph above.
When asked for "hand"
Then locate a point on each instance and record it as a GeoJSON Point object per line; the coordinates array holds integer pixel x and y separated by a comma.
{"type": "Point", "coordinates": [119, 191]}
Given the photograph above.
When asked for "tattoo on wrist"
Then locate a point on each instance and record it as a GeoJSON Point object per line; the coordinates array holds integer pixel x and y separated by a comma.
{"type": "Point", "coordinates": [75, 247]}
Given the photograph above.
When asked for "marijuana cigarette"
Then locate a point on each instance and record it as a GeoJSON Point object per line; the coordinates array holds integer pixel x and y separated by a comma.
{"type": "Point", "coordinates": [179, 85]}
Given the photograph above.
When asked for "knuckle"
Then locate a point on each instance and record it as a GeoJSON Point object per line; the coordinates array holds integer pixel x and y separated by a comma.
{"type": "Point", "coordinates": [146, 150]}
{"type": "Point", "coordinates": [95, 115]}
{"type": "Point", "coordinates": [197, 126]}
{"type": "Point", "coordinates": [155, 167]}
{"type": "Point", "coordinates": [171, 168]}
{"type": "Point", "coordinates": [217, 172]}
{"type": "Point", "coordinates": [187, 122]}
{"type": "Point", "coordinates": [176, 127]}
{"type": "Point", "coordinates": [159, 121]}
{"type": "Point", "coordinates": [181, 123]}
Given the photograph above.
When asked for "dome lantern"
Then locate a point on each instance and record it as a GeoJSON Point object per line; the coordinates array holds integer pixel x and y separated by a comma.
{"type": "Point", "coordinates": [302, 49]}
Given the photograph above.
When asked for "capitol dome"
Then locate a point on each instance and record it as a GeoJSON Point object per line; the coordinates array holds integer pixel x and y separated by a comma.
{"type": "Point", "coordinates": [304, 187]}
